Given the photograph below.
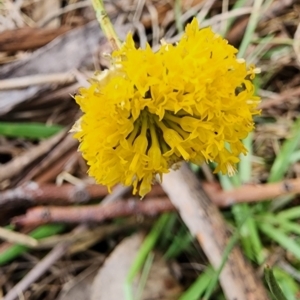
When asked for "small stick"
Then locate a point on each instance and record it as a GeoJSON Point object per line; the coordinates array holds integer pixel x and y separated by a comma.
{"type": "Point", "coordinates": [36, 194]}
{"type": "Point", "coordinates": [14, 167]}
{"type": "Point", "coordinates": [57, 152]}
{"type": "Point", "coordinates": [93, 213]}
{"type": "Point", "coordinates": [26, 81]}
{"type": "Point", "coordinates": [205, 222]}
{"type": "Point", "coordinates": [33, 193]}
{"type": "Point", "coordinates": [251, 193]}
{"type": "Point", "coordinates": [55, 254]}
{"type": "Point", "coordinates": [66, 162]}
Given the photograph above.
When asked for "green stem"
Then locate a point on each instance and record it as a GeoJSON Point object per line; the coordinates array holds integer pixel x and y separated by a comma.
{"type": "Point", "coordinates": [106, 24]}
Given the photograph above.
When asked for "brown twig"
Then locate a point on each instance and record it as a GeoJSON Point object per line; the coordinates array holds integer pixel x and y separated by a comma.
{"type": "Point", "coordinates": [205, 222]}
{"type": "Point", "coordinates": [12, 168]}
{"type": "Point", "coordinates": [93, 213]}
{"type": "Point", "coordinates": [26, 81]}
{"type": "Point", "coordinates": [251, 193]}
{"type": "Point", "coordinates": [32, 193]}
{"type": "Point", "coordinates": [64, 163]}
{"type": "Point", "coordinates": [57, 152]}
{"type": "Point", "coordinates": [55, 254]}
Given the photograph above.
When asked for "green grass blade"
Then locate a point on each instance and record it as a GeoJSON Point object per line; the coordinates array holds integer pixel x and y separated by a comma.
{"type": "Point", "coordinates": [147, 246]}
{"type": "Point", "coordinates": [273, 285]}
{"type": "Point", "coordinates": [237, 4]}
{"type": "Point", "coordinates": [290, 213]}
{"type": "Point", "coordinates": [225, 182]}
{"type": "Point", "coordinates": [41, 232]}
{"type": "Point", "coordinates": [245, 166]}
{"type": "Point", "coordinates": [286, 282]}
{"type": "Point", "coordinates": [145, 249]}
{"type": "Point", "coordinates": [249, 235]}
{"type": "Point", "coordinates": [295, 157]}
{"type": "Point", "coordinates": [178, 13]}
{"type": "Point", "coordinates": [261, 50]}
{"type": "Point", "coordinates": [167, 233]}
{"type": "Point", "coordinates": [250, 28]}
{"type": "Point", "coordinates": [291, 227]}
{"type": "Point", "coordinates": [214, 279]}
{"type": "Point", "coordinates": [239, 212]}
{"type": "Point", "coordinates": [281, 238]}
{"type": "Point", "coordinates": [242, 213]}
{"type": "Point", "coordinates": [284, 224]}
{"type": "Point", "coordinates": [180, 242]}
{"type": "Point", "coordinates": [28, 130]}
{"type": "Point", "coordinates": [197, 289]}
{"type": "Point", "coordinates": [282, 161]}
{"type": "Point", "coordinates": [144, 275]}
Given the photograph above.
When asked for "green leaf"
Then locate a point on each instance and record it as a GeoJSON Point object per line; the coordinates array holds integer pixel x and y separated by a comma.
{"type": "Point", "coordinates": [273, 285]}
{"type": "Point", "coordinates": [254, 18]}
{"type": "Point", "coordinates": [281, 238]}
{"type": "Point", "coordinates": [197, 289]}
{"type": "Point", "coordinates": [291, 213]}
{"type": "Point", "coordinates": [286, 282]}
{"type": "Point", "coordinates": [28, 130]}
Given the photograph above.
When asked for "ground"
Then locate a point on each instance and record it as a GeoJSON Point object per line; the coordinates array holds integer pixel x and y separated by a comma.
{"type": "Point", "coordinates": [61, 240]}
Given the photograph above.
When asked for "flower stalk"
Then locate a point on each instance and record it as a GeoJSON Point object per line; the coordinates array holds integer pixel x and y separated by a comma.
{"type": "Point", "coordinates": [106, 24]}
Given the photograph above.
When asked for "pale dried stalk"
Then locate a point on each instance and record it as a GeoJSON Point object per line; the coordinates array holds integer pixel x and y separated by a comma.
{"type": "Point", "coordinates": [15, 166]}
{"type": "Point", "coordinates": [205, 222]}
{"type": "Point", "coordinates": [26, 81]}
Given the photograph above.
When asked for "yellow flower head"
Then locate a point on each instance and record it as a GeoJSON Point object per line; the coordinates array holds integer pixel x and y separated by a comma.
{"type": "Point", "coordinates": [193, 101]}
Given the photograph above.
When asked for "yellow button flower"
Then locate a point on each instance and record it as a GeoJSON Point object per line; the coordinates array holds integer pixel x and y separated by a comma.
{"type": "Point", "coordinates": [193, 101]}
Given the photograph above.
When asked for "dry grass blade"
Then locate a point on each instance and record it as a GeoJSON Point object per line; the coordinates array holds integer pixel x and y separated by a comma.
{"type": "Point", "coordinates": [26, 81]}
{"type": "Point", "coordinates": [17, 238]}
{"type": "Point", "coordinates": [296, 44]}
{"type": "Point", "coordinates": [7, 171]}
{"type": "Point", "coordinates": [56, 253]}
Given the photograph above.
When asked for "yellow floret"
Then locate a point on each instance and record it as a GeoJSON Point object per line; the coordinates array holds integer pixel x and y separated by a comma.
{"type": "Point", "coordinates": [193, 101]}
